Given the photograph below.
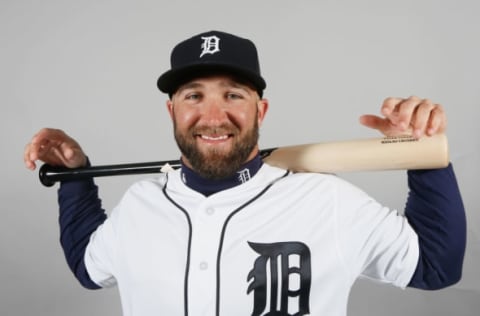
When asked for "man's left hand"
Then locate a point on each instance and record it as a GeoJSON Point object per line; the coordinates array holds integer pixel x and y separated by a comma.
{"type": "Point", "coordinates": [411, 116]}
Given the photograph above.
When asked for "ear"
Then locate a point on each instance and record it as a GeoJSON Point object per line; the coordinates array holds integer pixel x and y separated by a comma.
{"type": "Point", "coordinates": [170, 108]}
{"type": "Point", "coordinates": [262, 106]}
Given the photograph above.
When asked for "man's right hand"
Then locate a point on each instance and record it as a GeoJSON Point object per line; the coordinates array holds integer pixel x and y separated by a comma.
{"type": "Point", "coordinates": [54, 147]}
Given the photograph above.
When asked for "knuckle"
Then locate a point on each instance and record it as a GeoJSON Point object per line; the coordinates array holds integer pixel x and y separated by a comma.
{"type": "Point", "coordinates": [390, 101]}
{"type": "Point", "coordinates": [427, 101]}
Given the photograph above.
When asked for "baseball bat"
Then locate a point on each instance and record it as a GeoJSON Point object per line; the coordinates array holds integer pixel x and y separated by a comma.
{"type": "Point", "coordinates": [386, 153]}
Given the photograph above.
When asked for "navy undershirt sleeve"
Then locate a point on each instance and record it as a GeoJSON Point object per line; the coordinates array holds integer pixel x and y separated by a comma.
{"type": "Point", "coordinates": [80, 215]}
{"type": "Point", "coordinates": [435, 211]}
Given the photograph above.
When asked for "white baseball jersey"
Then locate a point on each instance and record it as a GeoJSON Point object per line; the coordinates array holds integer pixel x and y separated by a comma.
{"type": "Point", "coordinates": [285, 244]}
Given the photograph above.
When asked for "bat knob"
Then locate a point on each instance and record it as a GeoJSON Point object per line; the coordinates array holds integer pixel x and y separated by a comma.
{"type": "Point", "coordinates": [43, 176]}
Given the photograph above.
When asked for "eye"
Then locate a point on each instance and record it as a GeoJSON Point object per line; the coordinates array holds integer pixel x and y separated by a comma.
{"type": "Point", "coordinates": [192, 96]}
{"type": "Point", "coordinates": [234, 96]}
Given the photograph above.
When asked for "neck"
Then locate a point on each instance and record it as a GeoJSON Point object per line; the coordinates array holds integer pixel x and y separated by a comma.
{"type": "Point", "coordinates": [208, 186]}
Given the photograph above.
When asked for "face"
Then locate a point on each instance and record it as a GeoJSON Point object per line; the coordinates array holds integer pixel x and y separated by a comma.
{"type": "Point", "coordinates": [216, 124]}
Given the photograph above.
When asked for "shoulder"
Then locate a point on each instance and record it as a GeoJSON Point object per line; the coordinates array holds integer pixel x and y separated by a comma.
{"type": "Point", "coordinates": [146, 187]}
{"type": "Point", "coordinates": [142, 197]}
{"type": "Point", "coordinates": [327, 183]}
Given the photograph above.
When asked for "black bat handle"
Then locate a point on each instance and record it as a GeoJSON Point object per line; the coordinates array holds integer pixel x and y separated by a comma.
{"type": "Point", "coordinates": [49, 175]}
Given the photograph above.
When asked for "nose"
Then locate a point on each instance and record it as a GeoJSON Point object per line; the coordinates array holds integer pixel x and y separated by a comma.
{"type": "Point", "coordinates": [214, 111]}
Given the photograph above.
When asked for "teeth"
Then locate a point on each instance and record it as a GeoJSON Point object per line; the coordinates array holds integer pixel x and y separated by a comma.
{"type": "Point", "coordinates": [214, 138]}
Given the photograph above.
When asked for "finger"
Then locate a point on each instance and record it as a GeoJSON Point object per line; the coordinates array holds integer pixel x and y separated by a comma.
{"type": "Point", "coordinates": [58, 157]}
{"type": "Point", "coordinates": [34, 151]}
{"type": "Point", "coordinates": [420, 120]}
{"type": "Point", "coordinates": [389, 106]}
{"type": "Point", "coordinates": [39, 150]}
{"type": "Point", "coordinates": [29, 163]}
{"type": "Point", "coordinates": [437, 122]}
{"type": "Point", "coordinates": [72, 155]}
{"type": "Point", "coordinates": [373, 121]}
{"type": "Point", "coordinates": [44, 139]}
{"type": "Point", "coordinates": [391, 109]}
{"type": "Point", "coordinates": [406, 112]}
{"type": "Point", "coordinates": [53, 137]}
{"type": "Point", "coordinates": [65, 154]}
{"type": "Point", "coordinates": [54, 147]}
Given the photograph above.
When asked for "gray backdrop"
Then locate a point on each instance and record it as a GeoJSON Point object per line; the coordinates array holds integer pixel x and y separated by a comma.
{"type": "Point", "coordinates": [90, 68]}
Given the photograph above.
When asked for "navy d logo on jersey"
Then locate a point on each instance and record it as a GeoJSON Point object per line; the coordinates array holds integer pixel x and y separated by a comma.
{"type": "Point", "coordinates": [244, 175]}
{"type": "Point", "coordinates": [210, 45]}
{"type": "Point", "coordinates": [281, 279]}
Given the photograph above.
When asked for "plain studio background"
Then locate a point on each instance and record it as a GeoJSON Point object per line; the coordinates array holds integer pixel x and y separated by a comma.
{"type": "Point", "coordinates": [90, 68]}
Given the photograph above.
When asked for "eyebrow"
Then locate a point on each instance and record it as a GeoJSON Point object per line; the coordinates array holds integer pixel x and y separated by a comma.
{"type": "Point", "coordinates": [234, 84]}
{"type": "Point", "coordinates": [189, 85]}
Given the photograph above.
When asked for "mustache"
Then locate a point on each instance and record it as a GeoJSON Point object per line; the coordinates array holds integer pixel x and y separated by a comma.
{"type": "Point", "coordinates": [222, 129]}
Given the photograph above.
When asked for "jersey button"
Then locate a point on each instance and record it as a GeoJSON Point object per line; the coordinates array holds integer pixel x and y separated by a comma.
{"type": "Point", "coordinates": [210, 211]}
{"type": "Point", "coordinates": [203, 265]}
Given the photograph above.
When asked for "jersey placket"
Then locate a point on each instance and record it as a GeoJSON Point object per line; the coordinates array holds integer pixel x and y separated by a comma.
{"type": "Point", "coordinates": [207, 223]}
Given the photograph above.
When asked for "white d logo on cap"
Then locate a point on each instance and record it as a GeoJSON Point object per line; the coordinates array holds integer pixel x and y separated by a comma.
{"type": "Point", "coordinates": [210, 45]}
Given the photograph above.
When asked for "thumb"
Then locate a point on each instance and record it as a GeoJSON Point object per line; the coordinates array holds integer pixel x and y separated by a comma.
{"type": "Point", "coordinates": [72, 157]}
{"type": "Point", "coordinates": [373, 121]}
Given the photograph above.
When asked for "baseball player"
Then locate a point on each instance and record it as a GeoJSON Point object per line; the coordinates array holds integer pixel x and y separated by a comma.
{"type": "Point", "coordinates": [227, 234]}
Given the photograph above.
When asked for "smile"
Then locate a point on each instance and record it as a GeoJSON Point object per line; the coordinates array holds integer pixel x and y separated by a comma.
{"type": "Point", "coordinates": [214, 138]}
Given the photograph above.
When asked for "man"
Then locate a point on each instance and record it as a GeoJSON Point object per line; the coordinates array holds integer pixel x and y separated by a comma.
{"type": "Point", "coordinates": [229, 235]}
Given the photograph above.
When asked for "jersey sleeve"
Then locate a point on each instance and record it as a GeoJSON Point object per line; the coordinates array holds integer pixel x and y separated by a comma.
{"type": "Point", "coordinates": [100, 253]}
{"type": "Point", "coordinates": [80, 215]}
{"type": "Point", "coordinates": [375, 242]}
{"type": "Point", "coordinates": [435, 210]}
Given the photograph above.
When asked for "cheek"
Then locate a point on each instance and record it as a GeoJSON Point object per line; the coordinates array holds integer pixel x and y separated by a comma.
{"type": "Point", "coordinates": [184, 119]}
{"type": "Point", "coordinates": [244, 117]}
{"type": "Point", "coordinates": [249, 119]}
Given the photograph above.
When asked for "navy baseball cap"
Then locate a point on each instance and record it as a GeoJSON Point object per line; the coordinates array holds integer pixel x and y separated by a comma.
{"type": "Point", "coordinates": [210, 53]}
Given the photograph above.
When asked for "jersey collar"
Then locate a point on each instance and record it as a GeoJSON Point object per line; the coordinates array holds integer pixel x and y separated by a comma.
{"type": "Point", "coordinates": [208, 187]}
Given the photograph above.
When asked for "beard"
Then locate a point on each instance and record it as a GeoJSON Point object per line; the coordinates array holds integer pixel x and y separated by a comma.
{"type": "Point", "coordinates": [213, 163]}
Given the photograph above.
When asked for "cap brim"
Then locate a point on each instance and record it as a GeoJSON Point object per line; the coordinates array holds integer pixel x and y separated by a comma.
{"type": "Point", "coordinates": [172, 79]}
